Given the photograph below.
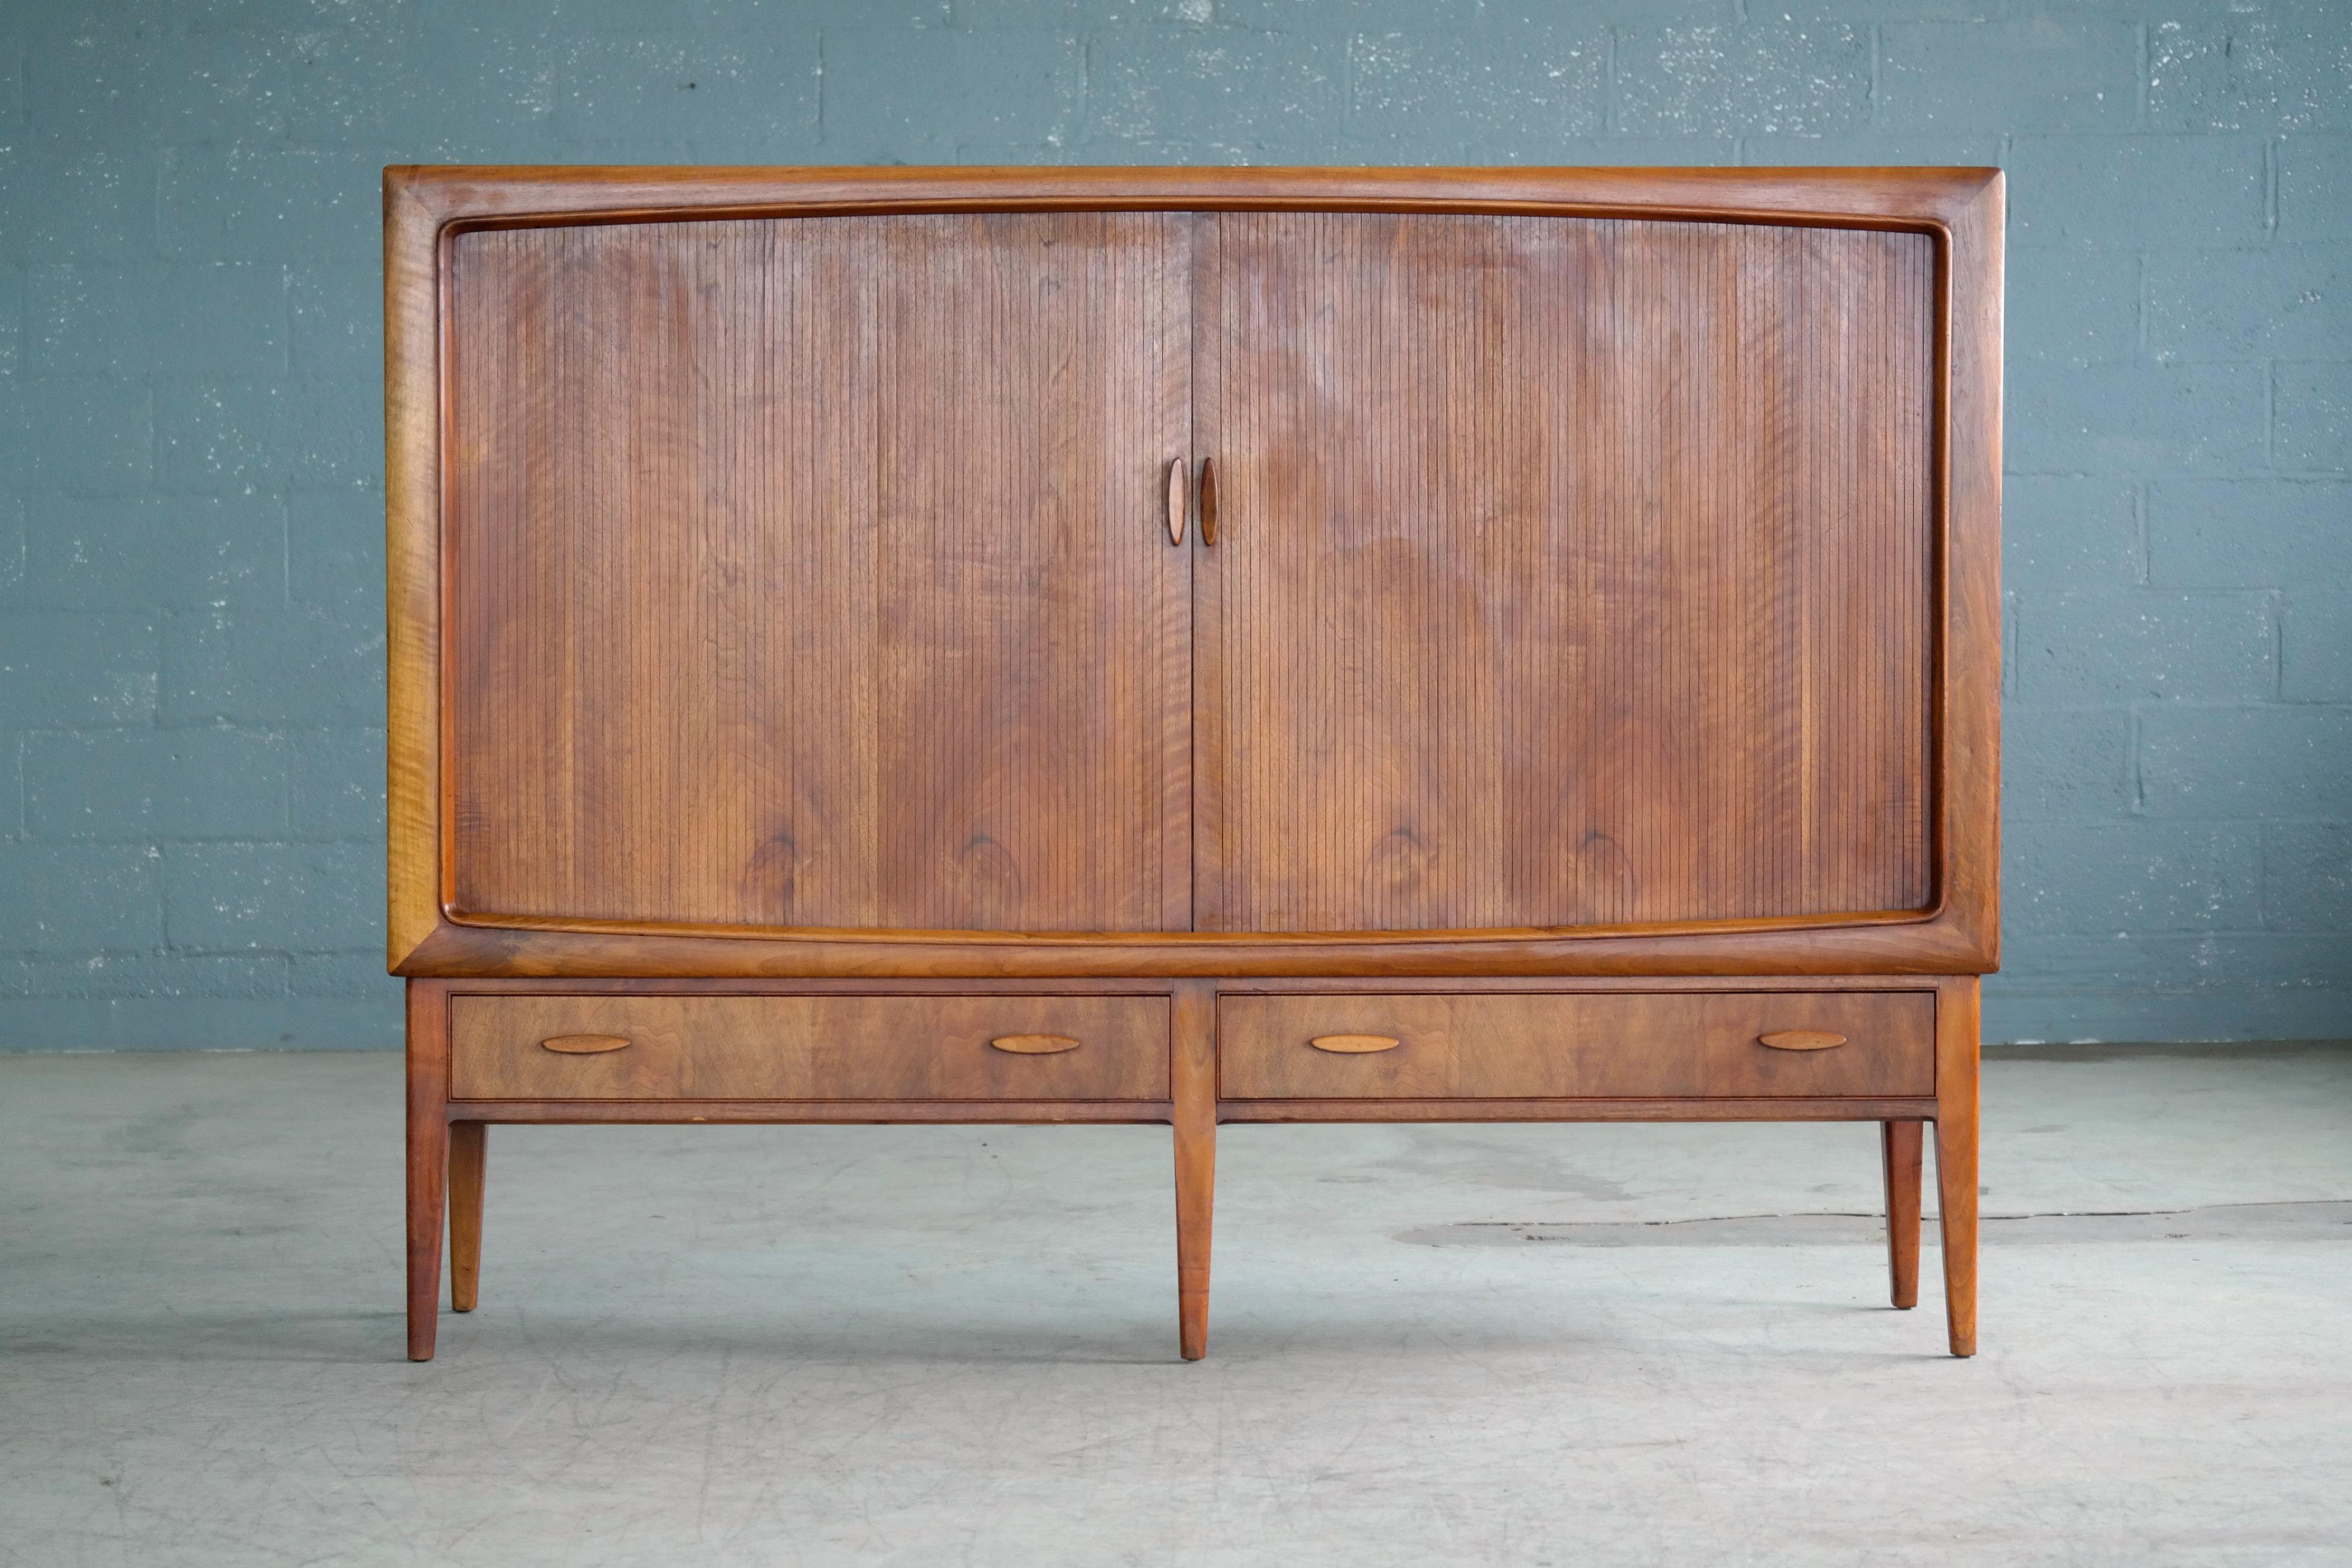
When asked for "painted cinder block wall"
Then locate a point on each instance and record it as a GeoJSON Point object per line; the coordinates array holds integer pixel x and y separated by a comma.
{"type": "Point", "coordinates": [191, 654]}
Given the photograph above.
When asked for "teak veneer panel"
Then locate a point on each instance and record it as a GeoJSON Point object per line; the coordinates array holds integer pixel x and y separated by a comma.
{"type": "Point", "coordinates": [1573, 572]}
{"type": "Point", "coordinates": [808, 1048]}
{"type": "Point", "coordinates": [1590, 1045]}
{"type": "Point", "coordinates": [808, 573]}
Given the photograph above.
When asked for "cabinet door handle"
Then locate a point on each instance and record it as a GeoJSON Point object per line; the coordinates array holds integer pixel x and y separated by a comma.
{"type": "Point", "coordinates": [1800, 1040]}
{"type": "Point", "coordinates": [1176, 500]}
{"type": "Point", "coordinates": [1033, 1044]}
{"type": "Point", "coordinates": [1355, 1044]}
{"type": "Point", "coordinates": [1208, 503]}
{"type": "Point", "coordinates": [584, 1044]}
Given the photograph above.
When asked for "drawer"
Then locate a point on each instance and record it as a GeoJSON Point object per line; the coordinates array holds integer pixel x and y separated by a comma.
{"type": "Point", "coordinates": [1576, 1046]}
{"type": "Point", "coordinates": [808, 1048]}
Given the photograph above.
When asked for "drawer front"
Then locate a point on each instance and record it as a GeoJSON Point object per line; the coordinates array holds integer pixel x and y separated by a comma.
{"type": "Point", "coordinates": [808, 1048]}
{"type": "Point", "coordinates": [1580, 1046]}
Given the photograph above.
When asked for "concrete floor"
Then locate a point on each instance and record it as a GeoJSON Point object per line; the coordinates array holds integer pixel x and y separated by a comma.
{"type": "Point", "coordinates": [949, 1346]}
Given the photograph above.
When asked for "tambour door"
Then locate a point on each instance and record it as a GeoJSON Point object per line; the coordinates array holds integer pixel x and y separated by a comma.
{"type": "Point", "coordinates": [1570, 572]}
{"type": "Point", "coordinates": [812, 572]}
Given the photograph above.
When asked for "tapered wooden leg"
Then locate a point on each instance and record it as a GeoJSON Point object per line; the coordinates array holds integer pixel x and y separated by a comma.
{"type": "Point", "coordinates": [1194, 1090]}
{"type": "Point", "coordinates": [1956, 1155]}
{"type": "Point", "coordinates": [429, 1159]}
{"type": "Point", "coordinates": [468, 1148]}
{"type": "Point", "coordinates": [1899, 1150]}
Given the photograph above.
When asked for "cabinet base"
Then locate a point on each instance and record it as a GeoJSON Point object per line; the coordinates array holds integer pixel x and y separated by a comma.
{"type": "Point", "coordinates": [447, 1137]}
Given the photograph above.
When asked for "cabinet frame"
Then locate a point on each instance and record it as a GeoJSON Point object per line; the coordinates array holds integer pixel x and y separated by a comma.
{"type": "Point", "coordinates": [1940, 949]}
{"type": "Point", "coordinates": [1957, 933]}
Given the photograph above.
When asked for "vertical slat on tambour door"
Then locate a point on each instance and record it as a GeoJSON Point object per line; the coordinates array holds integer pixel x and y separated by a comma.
{"type": "Point", "coordinates": [1573, 572]}
{"type": "Point", "coordinates": [640, 755]}
{"type": "Point", "coordinates": [804, 574]}
{"type": "Point", "coordinates": [1016, 480]}
{"type": "Point", "coordinates": [1868, 841]}
{"type": "Point", "coordinates": [1212, 438]}
{"type": "Point", "coordinates": [1772, 777]}
{"type": "Point", "coordinates": [800, 415]}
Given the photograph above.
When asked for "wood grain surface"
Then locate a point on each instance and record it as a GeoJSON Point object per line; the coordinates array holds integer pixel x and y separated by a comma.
{"type": "Point", "coordinates": [428, 1167]}
{"type": "Point", "coordinates": [1035, 1044]}
{"type": "Point", "coordinates": [1800, 1040]}
{"type": "Point", "coordinates": [820, 1112]}
{"type": "Point", "coordinates": [468, 1170]}
{"type": "Point", "coordinates": [1899, 1146]}
{"type": "Point", "coordinates": [809, 1048]}
{"type": "Point", "coordinates": [584, 1044]}
{"type": "Point", "coordinates": [1355, 1044]}
{"type": "Point", "coordinates": [959, 924]}
{"type": "Point", "coordinates": [1194, 1114]}
{"type": "Point", "coordinates": [1570, 572]}
{"type": "Point", "coordinates": [1592, 1045]}
{"type": "Point", "coordinates": [807, 573]}
{"type": "Point", "coordinates": [1529, 1108]}
{"type": "Point", "coordinates": [1958, 1096]}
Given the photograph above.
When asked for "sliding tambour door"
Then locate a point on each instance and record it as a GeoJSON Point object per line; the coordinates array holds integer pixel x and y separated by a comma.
{"type": "Point", "coordinates": [1570, 572]}
{"type": "Point", "coordinates": [812, 572]}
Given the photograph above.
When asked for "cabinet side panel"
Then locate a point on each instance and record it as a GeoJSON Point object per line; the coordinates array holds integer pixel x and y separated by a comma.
{"type": "Point", "coordinates": [1573, 572]}
{"type": "Point", "coordinates": [803, 573]}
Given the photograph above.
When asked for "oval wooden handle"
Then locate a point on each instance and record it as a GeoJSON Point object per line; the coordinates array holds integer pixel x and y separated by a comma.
{"type": "Point", "coordinates": [1355, 1044]}
{"type": "Point", "coordinates": [1800, 1040]}
{"type": "Point", "coordinates": [1208, 503]}
{"type": "Point", "coordinates": [1176, 500]}
{"type": "Point", "coordinates": [584, 1044]}
{"type": "Point", "coordinates": [1033, 1044]}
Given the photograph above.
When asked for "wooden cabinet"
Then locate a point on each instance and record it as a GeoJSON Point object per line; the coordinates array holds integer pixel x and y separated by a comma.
{"type": "Point", "coordinates": [1174, 645]}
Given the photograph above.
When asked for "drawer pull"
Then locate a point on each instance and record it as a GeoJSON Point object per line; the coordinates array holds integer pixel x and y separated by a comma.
{"type": "Point", "coordinates": [1033, 1044]}
{"type": "Point", "coordinates": [1355, 1044]}
{"type": "Point", "coordinates": [1800, 1040]}
{"type": "Point", "coordinates": [584, 1044]}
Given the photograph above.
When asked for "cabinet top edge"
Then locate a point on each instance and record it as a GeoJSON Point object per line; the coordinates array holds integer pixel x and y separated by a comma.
{"type": "Point", "coordinates": [1196, 174]}
{"type": "Point", "coordinates": [470, 194]}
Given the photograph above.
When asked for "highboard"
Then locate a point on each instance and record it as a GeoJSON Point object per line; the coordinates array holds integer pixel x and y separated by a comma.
{"type": "Point", "coordinates": [1192, 645]}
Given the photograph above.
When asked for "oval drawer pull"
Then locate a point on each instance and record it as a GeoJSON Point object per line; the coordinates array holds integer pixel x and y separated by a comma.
{"type": "Point", "coordinates": [584, 1044]}
{"type": "Point", "coordinates": [1800, 1040]}
{"type": "Point", "coordinates": [1033, 1044]}
{"type": "Point", "coordinates": [1355, 1044]}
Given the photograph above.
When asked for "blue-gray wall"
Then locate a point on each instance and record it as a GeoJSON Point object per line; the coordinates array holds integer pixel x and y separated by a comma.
{"type": "Point", "coordinates": [191, 659]}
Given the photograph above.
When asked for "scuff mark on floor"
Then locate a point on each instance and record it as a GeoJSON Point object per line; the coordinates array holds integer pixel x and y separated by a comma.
{"type": "Point", "coordinates": [2326, 1221]}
